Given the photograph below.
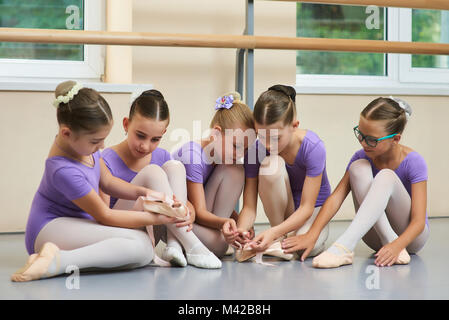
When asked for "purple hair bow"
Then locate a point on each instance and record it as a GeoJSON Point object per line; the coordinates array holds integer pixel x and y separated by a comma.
{"type": "Point", "coordinates": [224, 102]}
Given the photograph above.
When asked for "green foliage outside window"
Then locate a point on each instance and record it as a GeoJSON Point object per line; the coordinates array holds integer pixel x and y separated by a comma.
{"type": "Point", "coordinates": [42, 14]}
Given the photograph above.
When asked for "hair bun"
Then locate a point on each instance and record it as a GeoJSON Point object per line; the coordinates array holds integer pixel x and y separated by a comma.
{"type": "Point", "coordinates": [287, 90]}
{"type": "Point", "coordinates": [235, 95]}
{"type": "Point", "coordinates": [404, 105]}
{"type": "Point", "coordinates": [152, 92]}
{"type": "Point", "coordinates": [64, 87]}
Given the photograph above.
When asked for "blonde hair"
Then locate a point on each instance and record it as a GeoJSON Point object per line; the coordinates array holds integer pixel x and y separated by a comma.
{"type": "Point", "coordinates": [238, 114]}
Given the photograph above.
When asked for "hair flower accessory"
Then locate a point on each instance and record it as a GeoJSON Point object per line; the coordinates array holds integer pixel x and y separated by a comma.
{"type": "Point", "coordinates": [224, 102]}
{"type": "Point", "coordinates": [404, 105]}
{"type": "Point", "coordinates": [69, 96]}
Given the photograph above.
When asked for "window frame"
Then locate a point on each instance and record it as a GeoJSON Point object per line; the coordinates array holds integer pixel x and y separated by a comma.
{"type": "Point", "coordinates": [398, 79]}
{"type": "Point", "coordinates": [91, 69]}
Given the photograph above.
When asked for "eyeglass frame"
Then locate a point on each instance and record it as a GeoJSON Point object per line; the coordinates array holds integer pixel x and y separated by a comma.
{"type": "Point", "coordinates": [355, 129]}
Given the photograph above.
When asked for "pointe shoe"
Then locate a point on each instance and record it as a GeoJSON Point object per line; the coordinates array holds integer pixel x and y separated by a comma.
{"type": "Point", "coordinates": [403, 258]}
{"type": "Point", "coordinates": [245, 253]}
{"type": "Point", "coordinates": [165, 207]}
{"type": "Point", "coordinates": [331, 260]}
{"type": "Point", "coordinates": [275, 250]}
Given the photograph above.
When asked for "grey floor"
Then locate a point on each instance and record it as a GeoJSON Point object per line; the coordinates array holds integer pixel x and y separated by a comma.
{"type": "Point", "coordinates": [426, 277]}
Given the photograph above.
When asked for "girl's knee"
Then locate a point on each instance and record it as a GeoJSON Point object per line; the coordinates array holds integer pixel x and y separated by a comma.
{"type": "Point", "coordinates": [232, 172]}
{"type": "Point", "coordinates": [385, 177]}
{"type": "Point", "coordinates": [358, 168]}
{"type": "Point", "coordinates": [171, 165]}
{"type": "Point", "coordinates": [152, 171]}
{"type": "Point", "coordinates": [272, 168]}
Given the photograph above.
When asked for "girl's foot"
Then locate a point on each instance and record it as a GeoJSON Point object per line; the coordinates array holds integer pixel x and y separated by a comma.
{"type": "Point", "coordinates": [48, 258]}
{"type": "Point", "coordinates": [29, 262]}
{"type": "Point", "coordinates": [404, 257]}
{"type": "Point", "coordinates": [199, 256]}
{"type": "Point", "coordinates": [174, 256]}
{"type": "Point", "coordinates": [328, 259]}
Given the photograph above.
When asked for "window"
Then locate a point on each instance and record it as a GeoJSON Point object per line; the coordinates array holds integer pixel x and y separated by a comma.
{"type": "Point", "coordinates": [50, 61]}
{"type": "Point", "coordinates": [348, 72]}
{"type": "Point", "coordinates": [345, 22]}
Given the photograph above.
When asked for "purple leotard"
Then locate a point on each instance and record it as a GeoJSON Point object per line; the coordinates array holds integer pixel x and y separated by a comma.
{"type": "Point", "coordinates": [310, 161]}
{"type": "Point", "coordinates": [64, 180]}
{"type": "Point", "coordinates": [412, 169]}
{"type": "Point", "coordinates": [120, 170]}
{"type": "Point", "coordinates": [198, 167]}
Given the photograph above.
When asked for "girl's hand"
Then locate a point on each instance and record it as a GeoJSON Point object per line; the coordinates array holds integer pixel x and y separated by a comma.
{"type": "Point", "coordinates": [387, 255]}
{"type": "Point", "coordinates": [263, 240]}
{"type": "Point", "coordinates": [184, 223]}
{"type": "Point", "coordinates": [230, 232]}
{"type": "Point", "coordinates": [300, 242]}
{"type": "Point", "coordinates": [162, 219]}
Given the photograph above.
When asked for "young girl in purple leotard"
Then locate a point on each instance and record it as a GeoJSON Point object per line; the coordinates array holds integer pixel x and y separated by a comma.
{"type": "Point", "coordinates": [286, 167]}
{"type": "Point", "coordinates": [69, 224]}
{"type": "Point", "coordinates": [388, 181]}
{"type": "Point", "coordinates": [139, 160]}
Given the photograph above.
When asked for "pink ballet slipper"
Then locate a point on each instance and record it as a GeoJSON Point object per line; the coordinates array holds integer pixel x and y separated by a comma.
{"type": "Point", "coordinates": [165, 207]}
{"type": "Point", "coordinates": [403, 258]}
{"type": "Point", "coordinates": [331, 260]}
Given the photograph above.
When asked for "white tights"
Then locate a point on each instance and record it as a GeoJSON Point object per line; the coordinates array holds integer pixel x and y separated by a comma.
{"type": "Point", "coordinates": [90, 245]}
{"type": "Point", "coordinates": [383, 208]}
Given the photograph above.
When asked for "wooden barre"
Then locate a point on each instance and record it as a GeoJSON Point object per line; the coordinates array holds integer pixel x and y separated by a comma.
{"type": "Point", "coordinates": [415, 4]}
{"type": "Point", "coordinates": [217, 41]}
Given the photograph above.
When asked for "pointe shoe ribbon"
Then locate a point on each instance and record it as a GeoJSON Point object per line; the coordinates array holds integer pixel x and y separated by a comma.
{"type": "Point", "coordinates": [165, 207]}
{"type": "Point", "coordinates": [275, 250]}
{"type": "Point", "coordinates": [331, 260]}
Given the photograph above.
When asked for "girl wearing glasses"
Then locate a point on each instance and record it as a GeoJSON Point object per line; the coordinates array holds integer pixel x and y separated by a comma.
{"type": "Point", "coordinates": [388, 182]}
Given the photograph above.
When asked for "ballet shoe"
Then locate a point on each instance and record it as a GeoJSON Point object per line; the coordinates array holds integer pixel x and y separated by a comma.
{"type": "Point", "coordinates": [403, 258]}
{"type": "Point", "coordinates": [229, 251]}
{"type": "Point", "coordinates": [174, 256]}
{"type": "Point", "coordinates": [37, 266]}
{"type": "Point", "coordinates": [275, 250]}
{"type": "Point", "coordinates": [165, 207]}
{"type": "Point", "coordinates": [331, 260]}
{"type": "Point", "coordinates": [245, 253]}
{"type": "Point", "coordinates": [205, 259]}
{"type": "Point", "coordinates": [29, 262]}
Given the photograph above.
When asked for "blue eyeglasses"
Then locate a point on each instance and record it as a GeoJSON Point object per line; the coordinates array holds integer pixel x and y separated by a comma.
{"type": "Point", "coordinates": [370, 141]}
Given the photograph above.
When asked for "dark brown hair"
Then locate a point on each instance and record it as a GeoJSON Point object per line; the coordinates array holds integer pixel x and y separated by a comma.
{"type": "Point", "coordinates": [86, 111]}
{"type": "Point", "coordinates": [388, 109]}
{"type": "Point", "coordinates": [276, 104]}
{"type": "Point", "coordinates": [150, 104]}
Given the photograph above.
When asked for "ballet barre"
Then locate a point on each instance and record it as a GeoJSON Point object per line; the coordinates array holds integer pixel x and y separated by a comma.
{"type": "Point", "coordinates": [217, 41]}
{"type": "Point", "coordinates": [413, 4]}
